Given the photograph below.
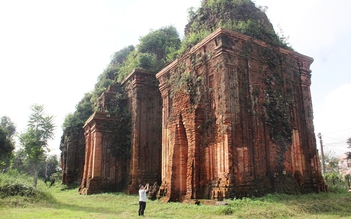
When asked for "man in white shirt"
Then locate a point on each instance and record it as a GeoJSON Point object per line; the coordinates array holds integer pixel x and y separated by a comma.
{"type": "Point", "coordinates": [142, 198]}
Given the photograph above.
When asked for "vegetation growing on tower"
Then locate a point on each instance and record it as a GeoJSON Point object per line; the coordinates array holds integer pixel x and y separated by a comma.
{"type": "Point", "coordinates": [152, 53]}
{"type": "Point", "coordinates": [238, 15]}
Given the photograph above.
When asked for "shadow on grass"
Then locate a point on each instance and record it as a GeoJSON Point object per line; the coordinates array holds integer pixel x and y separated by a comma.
{"type": "Point", "coordinates": [79, 204]}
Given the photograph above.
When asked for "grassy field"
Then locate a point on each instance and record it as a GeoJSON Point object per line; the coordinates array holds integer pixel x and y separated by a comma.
{"type": "Point", "coordinates": [55, 202]}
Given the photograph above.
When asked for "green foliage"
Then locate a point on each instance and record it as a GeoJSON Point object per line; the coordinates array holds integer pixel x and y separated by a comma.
{"type": "Point", "coordinates": [7, 145]}
{"type": "Point", "coordinates": [57, 176]}
{"type": "Point", "coordinates": [21, 162]}
{"type": "Point", "coordinates": [336, 183]}
{"type": "Point", "coordinates": [191, 14]}
{"type": "Point", "coordinates": [137, 60]}
{"type": "Point", "coordinates": [238, 15]}
{"type": "Point", "coordinates": [121, 56]}
{"type": "Point", "coordinates": [48, 167]}
{"type": "Point", "coordinates": [15, 186]}
{"type": "Point", "coordinates": [179, 81]}
{"type": "Point", "coordinates": [128, 65]}
{"type": "Point", "coordinates": [331, 162]}
{"type": "Point", "coordinates": [224, 210]}
{"type": "Point", "coordinates": [122, 125]}
{"type": "Point", "coordinates": [101, 86]}
{"type": "Point", "coordinates": [338, 188]}
{"type": "Point", "coordinates": [83, 111]}
{"type": "Point", "coordinates": [278, 100]}
{"type": "Point", "coordinates": [332, 178]}
{"type": "Point", "coordinates": [6, 149]}
{"type": "Point", "coordinates": [147, 60]}
{"type": "Point", "coordinates": [160, 42]}
{"type": "Point", "coordinates": [278, 118]}
{"type": "Point", "coordinates": [112, 72]}
{"type": "Point", "coordinates": [192, 39]}
{"type": "Point", "coordinates": [41, 124]}
{"type": "Point", "coordinates": [348, 181]}
{"type": "Point", "coordinates": [323, 205]}
{"type": "Point", "coordinates": [255, 29]}
{"type": "Point", "coordinates": [118, 205]}
{"type": "Point", "coordinates": [153, 52]}
{"type": "Point", "coordinates": [85, 107]}
{"type": "Point", "coordinates": [8, 126]}
{"type": "Point", "coordinates": [16, 189]}
{"type": "Point", "coordinates": [33, 146]}
{"type": "Point", "coordinates": [186, 82]}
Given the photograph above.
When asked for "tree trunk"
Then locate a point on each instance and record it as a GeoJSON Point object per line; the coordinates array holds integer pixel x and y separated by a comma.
{"type": "Point", "coordinates": [35, 180]}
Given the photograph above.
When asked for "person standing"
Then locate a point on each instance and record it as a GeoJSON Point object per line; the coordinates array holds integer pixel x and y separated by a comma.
{"type": "Point", "coordinates": [142, 198]}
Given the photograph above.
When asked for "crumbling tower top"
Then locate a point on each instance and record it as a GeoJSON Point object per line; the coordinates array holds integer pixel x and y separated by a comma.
{"type": "Point", "coordinates": [238, 15]}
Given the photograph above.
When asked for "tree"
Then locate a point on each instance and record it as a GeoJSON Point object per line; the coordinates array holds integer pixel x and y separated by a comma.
{"type": "Point", "coordinates": [40, 129]}
{"type": "Point", "coordinates": [332, 175]}
{"type": "Point", "coordinates": [6, 149]}
{"type": "Point", "coordinates": [7, 146]}
{"type": "Point", "coordinates": [154, 50]}
{"type": "Point", "coordinates": [331, 162]}
{"type": "Point", "coordinates": [48, 167]}
{"type": "Point", "coordinates": [20, 162]}
{"type": "Point", "coordinates": [84, 109]}
{"type": "Point", "coordinates": [348, 154]}
{"type": "Point", "coordinates": [161, 42]}
{"type": "Point", "coordinates": [8, 126]}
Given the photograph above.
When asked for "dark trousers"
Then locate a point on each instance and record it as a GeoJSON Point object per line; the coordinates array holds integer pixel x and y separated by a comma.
{"type": "Point", "coordinates": [142, 206]}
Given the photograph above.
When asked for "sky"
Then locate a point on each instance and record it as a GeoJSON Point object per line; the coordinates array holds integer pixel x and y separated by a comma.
{"type": "Point", "coordinates": [51, 53]}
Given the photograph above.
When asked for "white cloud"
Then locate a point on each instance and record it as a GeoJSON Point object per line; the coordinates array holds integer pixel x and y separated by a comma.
{"type": "Point", "coordinates": [310, 24]}
{"type": "Point", "coordinates": [334, 120]}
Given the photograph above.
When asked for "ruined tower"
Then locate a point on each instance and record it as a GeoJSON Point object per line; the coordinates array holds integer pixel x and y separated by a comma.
{"type": "Point", "coordinates": [123, 138]}
{"type": "Point", "coordinates": [237, 121]}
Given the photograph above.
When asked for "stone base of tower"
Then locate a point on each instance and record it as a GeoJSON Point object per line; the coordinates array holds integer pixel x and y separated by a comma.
{"type": "Point", "coordinates": [133, 186]}
{"type": "Point", "coordinates": [93, 186]}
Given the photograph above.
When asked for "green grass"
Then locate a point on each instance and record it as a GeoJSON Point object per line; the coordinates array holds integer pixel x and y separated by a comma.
{"type": "Point", "coordinates": [67, 203]}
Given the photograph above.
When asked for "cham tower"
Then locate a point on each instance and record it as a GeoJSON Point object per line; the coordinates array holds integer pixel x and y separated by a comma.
{"type": "Point", "coordinates": [230, 117]}
{"type": "Point", "coordinates": [237, 115]}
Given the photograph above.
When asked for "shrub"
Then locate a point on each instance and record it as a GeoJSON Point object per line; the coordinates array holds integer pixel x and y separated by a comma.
{"type": "Point", "coordinates": [14, 184]}
{"type": "Point", "coordinates": [224, 210]}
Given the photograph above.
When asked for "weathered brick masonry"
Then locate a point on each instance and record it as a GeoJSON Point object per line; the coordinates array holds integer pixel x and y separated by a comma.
{"type": "Point", "coordinates": [111, 168]}
{"type": "Point", "coordinates": [237, 121]}
{"type": "Point", "coordinates": [72, 155]}
{"type": "Point", "coordinates": [146, 113]}
{"type": "Point", "coordinates": [231, 118]}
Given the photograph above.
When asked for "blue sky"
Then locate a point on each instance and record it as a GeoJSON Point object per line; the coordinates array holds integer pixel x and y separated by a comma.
{"type": "Point", "coordinates": [51, 52]}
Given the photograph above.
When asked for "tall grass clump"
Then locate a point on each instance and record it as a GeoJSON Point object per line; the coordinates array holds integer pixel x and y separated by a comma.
{"type": "Point", "coordinates": [17, 189]}
{"type": "Point", "coordinates": [224, 210]}
{"type": "Point", "coordinates": [335, 182]}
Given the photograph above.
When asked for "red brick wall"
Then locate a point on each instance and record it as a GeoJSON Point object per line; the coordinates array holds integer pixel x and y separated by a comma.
{"type": "Point", "coordinates": [72, 155]}
{"type": "Point", "coordinates": [241, 112]}
{"type": "Point", "coordinates": [108, 169]}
